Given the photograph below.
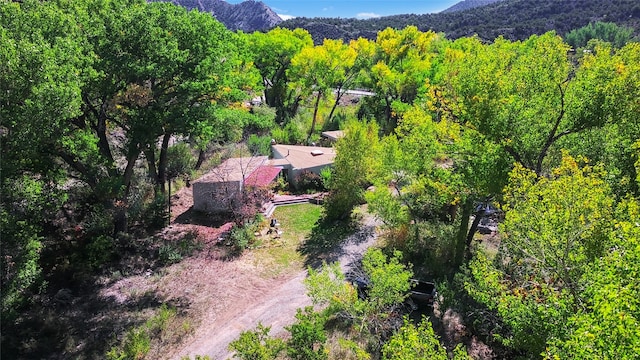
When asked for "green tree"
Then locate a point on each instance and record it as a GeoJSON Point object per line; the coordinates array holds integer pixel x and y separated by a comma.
{"type": "Point", "coordinates": [41, 74]}
{"type": "Point", "coordinates": [158, 72]}
{"type": "Point", "coordinates": [608, 326]}
{"type": "Point", "coordinates": [418, 342]}
{"type": "Point", "coordinates": [308, 336]}
{"type": "Point", "coordinates": [609, 32]}
{"type": "Point", "coordinates": [400, 69]}
{"type": "Point", "coordinates": [388, 284]}
{"type": "Point", "coordinates": [273, 52]}
{"type": "Point", "coordinates": [353, 166]}
{"type": "Point", "coordinates": [609, 83]}
{"type": "Point", "coordinates": [555, 229]}
{"type": "Point", "coordinates": [321, 69]}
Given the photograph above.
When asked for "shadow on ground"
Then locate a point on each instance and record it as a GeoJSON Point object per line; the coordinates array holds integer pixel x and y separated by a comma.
{"type": "Point", "coordinates": [194, 217]}
{"type": "Point", "coordinates": [80, 325]}
{"type": "Point", "coordinates": [330, 240]}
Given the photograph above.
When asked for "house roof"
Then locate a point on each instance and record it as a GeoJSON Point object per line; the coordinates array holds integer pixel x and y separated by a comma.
{"type": "Point", "coordinates": [306, 157]}
{"type": "Point", "coordinates": [234, 169]}
{"type": "Point", "coordinates": [262, 176]}
{"type": "Point", "coordinates": [333, 135]}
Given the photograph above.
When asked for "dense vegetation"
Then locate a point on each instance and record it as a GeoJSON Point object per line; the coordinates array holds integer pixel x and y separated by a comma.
{"type": "Point", "coordinates": [512, 19]}
{"type": "Point", "coordinates": [105, 103]}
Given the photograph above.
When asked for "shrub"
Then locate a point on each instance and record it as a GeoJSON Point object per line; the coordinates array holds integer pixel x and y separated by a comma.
{"type": "Point", "coordinates": [309, 181]}
{"type": "Point", "coordinates": [325, 176]}
{"type": "Point", "coordinates": [156, 213]}
{"type": "Point", "coordinates": [259, 145]}
{"type": "Point", "coordinates": [280, 135]}
{"type": "Point", "coordinates": [242, 236]}
{"type": "Point", "coordinates": [308, 336]}
{"type": "Point", "coordinates": [137, 341]}
{"type": "Point", "coordinates": [257, 344]}
{"type": "Point", "coordinates": [100, 251]}
{"type": "Point", "coordinates": [173, 251]}
{"type": "Point", "coordinates": [180, 160]}
{"type": "Point", "coordinates": [262, 119]}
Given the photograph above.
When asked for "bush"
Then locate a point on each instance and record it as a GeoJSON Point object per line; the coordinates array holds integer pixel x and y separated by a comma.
{"type": "Point", "coordinates": [174, 251]}
{"type": "Point", "coordinates": [137, 341]}
{"type": "Point", "coordinates": [242, 236]}
{"type": "Point", "coordinates": [325, 177]}
{"type": "Point", "coordinates": [259, 145]}
{"type": "Point", "coordinates": [156, 213]}
{"type": "Point", "coordinates": [257, 344]}
{"type": "Point", "coordinates": [180, 160]}
{"type": "Point", "coordinates": [309, 181]}
{"type": "Point", "coordinates": [308, 336]}
{"type": "Point", "coordinates": [280, 135]}
{"type": "Point", "coordinates": [262, 119]}
{"type": "Point", "coordinates": [100, 251]}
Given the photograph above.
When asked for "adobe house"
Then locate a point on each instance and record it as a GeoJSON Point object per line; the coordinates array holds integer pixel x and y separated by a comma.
{"type": "Point", "coordinates": [215, 191]}
{"type": "Point", "coordinates": [295, 158]}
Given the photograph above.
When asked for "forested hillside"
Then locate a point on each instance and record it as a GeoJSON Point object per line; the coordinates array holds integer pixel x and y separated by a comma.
{"type": "Point", "coordinates": [512, 19]}
{"type": "Point", "coordinates": [507, 172]}
{"type": "Point", "coordinates": [468, 4]}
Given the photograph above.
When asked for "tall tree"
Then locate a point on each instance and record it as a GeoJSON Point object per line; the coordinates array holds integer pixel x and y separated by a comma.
{"type": "Point", "coordinates": [555, 229]}
{"type": "Point", "coordinates": [321, 69]}
{"type": "Point", "coordinates": [273, 52]}
{"type": "Point", "coordinates": [400, 67]}
{"type": "Point", "coordinates": [41, 74]}
{"type": "Point", "coordinates": [618, 36]}
{"type": "Point", "coordinates": [353, 167]}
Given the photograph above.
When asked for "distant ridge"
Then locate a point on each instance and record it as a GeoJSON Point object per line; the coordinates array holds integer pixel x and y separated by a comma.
{"type": "Point", "coordinates": [247, 16]}
{"type": "Point", "coordinates": [468, 4]}
{"type": "Point", "coordinates": [511, 19]}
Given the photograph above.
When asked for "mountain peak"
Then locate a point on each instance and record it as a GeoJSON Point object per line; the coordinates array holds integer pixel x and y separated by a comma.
{"type": "Point", "coordinates": [247, 16]}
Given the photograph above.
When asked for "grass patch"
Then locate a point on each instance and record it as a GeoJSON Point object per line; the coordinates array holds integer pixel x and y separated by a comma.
{"type": "Point", "coordinates": [296, 222]}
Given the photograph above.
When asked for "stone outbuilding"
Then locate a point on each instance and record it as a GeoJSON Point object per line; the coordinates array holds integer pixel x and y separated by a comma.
{"type": "Point", "coordinates": [215, 191]}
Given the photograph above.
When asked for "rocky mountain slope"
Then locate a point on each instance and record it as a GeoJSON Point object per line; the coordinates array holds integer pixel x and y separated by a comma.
{"type": "Point", "coordinates": [468, 4]}
{"type": "Point", "coordinates": [247, 16]}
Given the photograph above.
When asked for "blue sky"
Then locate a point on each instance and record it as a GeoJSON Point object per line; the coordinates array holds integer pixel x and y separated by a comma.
{"type": "Point", "coordinates": [361, 9]}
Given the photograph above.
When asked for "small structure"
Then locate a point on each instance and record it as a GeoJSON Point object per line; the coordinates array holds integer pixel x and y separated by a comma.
{"type": "Point", "coordinates": [333, 136]}
{"type": "Point", "coordinates": [295, 158]}
{"type": "Point", "coordinates": [215, 191]}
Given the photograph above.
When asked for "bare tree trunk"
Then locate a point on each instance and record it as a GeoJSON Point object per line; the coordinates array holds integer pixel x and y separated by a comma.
{"type": "Point", "coordinates": [150, 155]}
{"type": "Point", "coordinates": [120, 220]}
{"type": "Point", "coordinates": [315, 115]}
{"type": "Point", "coordinates": [162, 164]}
{"type": "Point", "coordinates": [339, 94]}
{"type": "Point", "coordinates": [461, 243]}
{"type": "Point", "coordinates": [201, 157]}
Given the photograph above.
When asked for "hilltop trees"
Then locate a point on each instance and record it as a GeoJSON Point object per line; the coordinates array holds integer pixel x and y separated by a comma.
{"type": "Point", "coordinates": [617, 36]}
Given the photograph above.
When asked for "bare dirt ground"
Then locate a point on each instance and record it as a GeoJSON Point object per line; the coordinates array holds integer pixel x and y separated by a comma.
{"type": "Point", "coordinates": [221, 296]}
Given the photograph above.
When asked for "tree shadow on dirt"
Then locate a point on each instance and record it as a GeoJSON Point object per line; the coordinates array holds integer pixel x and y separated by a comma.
{"type": "Point", "coordinates": [328, 238]}
{"type": "Point", "coordinates": [80, 325]}
{"type": "Point", "coordinates": [195, 217]}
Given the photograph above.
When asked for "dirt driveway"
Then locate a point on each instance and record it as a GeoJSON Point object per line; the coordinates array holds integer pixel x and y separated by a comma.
{"type": "Point", "coordinates": [228, 298]}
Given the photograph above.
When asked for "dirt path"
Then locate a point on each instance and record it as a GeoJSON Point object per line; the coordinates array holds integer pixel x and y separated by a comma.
{"type": "Point", "coordinates": [229, 298]}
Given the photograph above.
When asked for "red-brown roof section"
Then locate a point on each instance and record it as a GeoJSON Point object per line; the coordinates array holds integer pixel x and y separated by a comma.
{"type": "Point", "coordinates": [262, 176]}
